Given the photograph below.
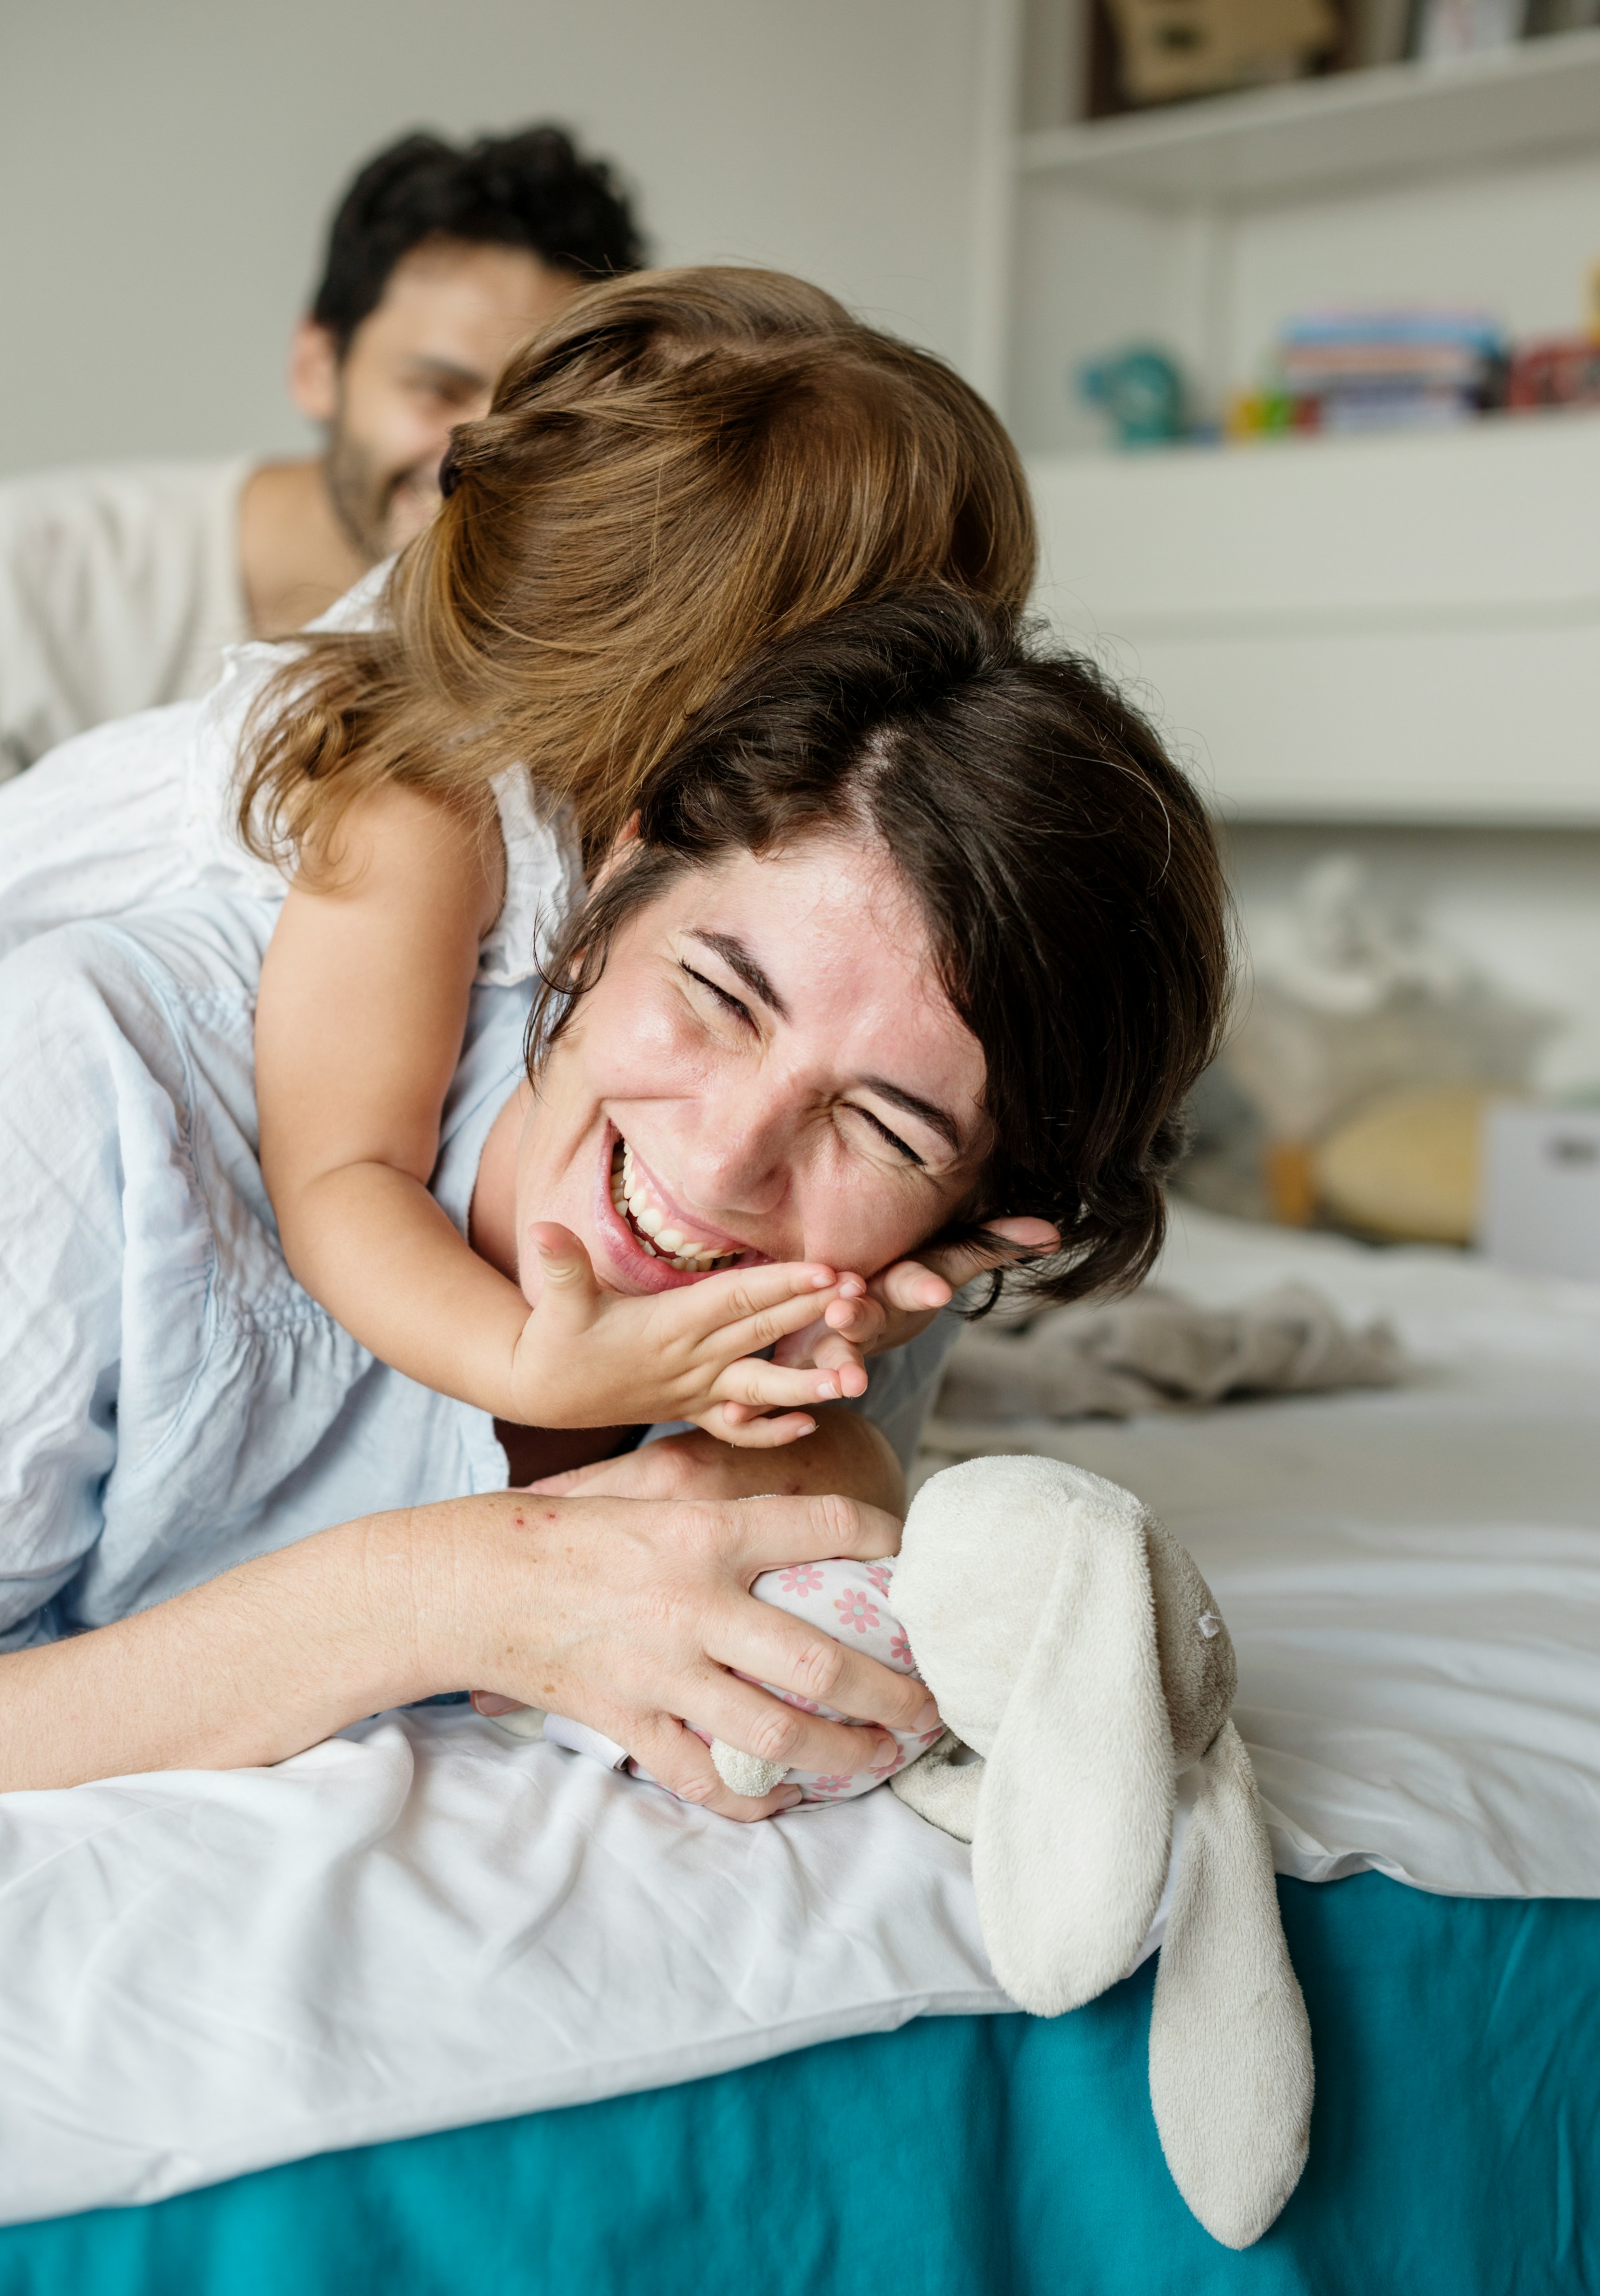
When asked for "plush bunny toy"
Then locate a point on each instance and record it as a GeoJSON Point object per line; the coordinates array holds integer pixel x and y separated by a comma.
{"type": "Point", "coordinates": [1072, 1643]}
{"type": "Point", "coordinates": [1074, 1649]}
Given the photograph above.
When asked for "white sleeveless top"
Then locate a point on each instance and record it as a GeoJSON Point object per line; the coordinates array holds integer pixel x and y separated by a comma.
{"type": "Point", "coordinates": [143, 807]}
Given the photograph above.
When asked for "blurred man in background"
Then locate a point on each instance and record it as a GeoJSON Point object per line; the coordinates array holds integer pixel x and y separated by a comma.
{"type": "Point", "coordinates": [120, 585]}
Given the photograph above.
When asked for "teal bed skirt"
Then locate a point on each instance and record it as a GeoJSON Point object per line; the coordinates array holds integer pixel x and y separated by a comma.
{"type": "Point", "coordinates": [1455, 2151]}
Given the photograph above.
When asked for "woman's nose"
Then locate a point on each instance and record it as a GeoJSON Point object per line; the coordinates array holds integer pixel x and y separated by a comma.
{"type": "Point", "coordinates": [736, 1164]}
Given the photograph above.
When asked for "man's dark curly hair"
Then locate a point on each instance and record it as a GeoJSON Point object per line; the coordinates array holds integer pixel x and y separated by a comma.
{"type": "Point", "coordinates": [533, 189]}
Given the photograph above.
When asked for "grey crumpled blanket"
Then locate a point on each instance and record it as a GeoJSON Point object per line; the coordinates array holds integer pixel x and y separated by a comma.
{"type": "Point", "coordinates": [1158, 1352]}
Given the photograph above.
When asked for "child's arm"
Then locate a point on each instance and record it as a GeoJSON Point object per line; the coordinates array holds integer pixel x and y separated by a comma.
{"type": "Point", "coordinates": [361, 1012]}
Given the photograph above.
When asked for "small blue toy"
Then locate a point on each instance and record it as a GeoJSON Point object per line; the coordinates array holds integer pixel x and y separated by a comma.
{"type": "Point", "coordinates": [1142, 391]}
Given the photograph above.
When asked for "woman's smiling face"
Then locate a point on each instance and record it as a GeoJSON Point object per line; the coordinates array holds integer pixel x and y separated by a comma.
{"type": "Point", "coordinates": [768, 1067]}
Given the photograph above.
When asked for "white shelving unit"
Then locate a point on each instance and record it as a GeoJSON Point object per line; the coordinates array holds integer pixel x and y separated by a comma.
{"type": "Point", "coordinates": [1396, 629]}
{"type": "Point", "coordinates": [1384, 629]}
{"type": "Point", "coordinates": [1353, 128]}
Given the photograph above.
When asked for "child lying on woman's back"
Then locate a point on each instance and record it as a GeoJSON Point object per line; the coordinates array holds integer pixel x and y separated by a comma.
{"type": "Point", "coordinates": [680, 468]}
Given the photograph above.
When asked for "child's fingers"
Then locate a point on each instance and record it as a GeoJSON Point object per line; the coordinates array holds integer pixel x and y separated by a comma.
{"type": "Point", "coordinates": [796, 1349]}
{"type": "Point", "coordinates": [748, 1430]}
{"type": "Point", "coordinates": [724, 1416]}
{"type": "Point", "coordinates": [860, 1321]}
{"type": "Point", "coordinates": [840, 1357]}
{"type": "Point", "coordinates": [744, 1291]}
{"type": "Point", "coordinates": [913, 1288]}
{"type": "Point", "coordinates": [914, 1285]}
{"type": "Point", "coordinates": [821, 1347]}
{"type": "Point", "coordinates": [728, 1309]}
{"type": "Point", "coordinates": [749, 1336]}
{"type": "Point", "coordinates": [771, 1387]}
{"type": "Point", "coordinates": [568, 1290]}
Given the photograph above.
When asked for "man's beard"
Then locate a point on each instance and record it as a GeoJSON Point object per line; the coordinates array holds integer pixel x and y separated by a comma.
{"type": "Point", "coordinates": [368, 502]}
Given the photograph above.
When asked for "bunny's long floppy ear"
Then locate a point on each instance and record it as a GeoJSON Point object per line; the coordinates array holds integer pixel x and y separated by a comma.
{"type": "Point", "coordinates": [1068, 1878]}
{"type": "Point", "coordinates": [1023, 1586]}
{"type": "Point", "coordinates": [1071, 1642]}
{"type": "Point", "coordinates": [1231, 2047]}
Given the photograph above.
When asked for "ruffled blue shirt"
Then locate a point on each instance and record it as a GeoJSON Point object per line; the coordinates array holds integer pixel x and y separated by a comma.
{"type": "Point", "coordinates": [171, 1401]}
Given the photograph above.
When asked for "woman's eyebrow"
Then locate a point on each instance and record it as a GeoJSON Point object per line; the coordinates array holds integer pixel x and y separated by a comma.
{"type": "Point", "coordinates": [935, 1118]}
{"type": "Point", "coordinates": [739, 960]}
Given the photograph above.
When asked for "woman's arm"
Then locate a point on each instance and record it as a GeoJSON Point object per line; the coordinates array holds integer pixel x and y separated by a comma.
{"type": "Point", "coordinates": [359, 1024]}
{"type": "Point", "coordinates": [626, 1614]}
{"type": "Point", "coordinates": [253, 1666]}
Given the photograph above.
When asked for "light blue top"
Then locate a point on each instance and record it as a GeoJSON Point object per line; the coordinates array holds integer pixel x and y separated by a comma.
{"type": "Point", "coordinates": [171, 1401]}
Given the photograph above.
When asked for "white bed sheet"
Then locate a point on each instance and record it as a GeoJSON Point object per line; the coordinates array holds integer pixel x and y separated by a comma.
{"type": "Point", "coordinates": [417, 1926]}
{"type": "Point", "coordinates": [1411, 1576]}
{"type": "Point", "coordinates": [422, 1925]}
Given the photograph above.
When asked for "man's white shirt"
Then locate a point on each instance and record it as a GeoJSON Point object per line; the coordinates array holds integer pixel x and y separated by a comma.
{"type": "Point", "coordinates": [120, 587]}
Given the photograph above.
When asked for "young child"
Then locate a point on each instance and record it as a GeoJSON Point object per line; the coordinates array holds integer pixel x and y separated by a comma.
{"type": "Point", "coordinates": [680, 469]}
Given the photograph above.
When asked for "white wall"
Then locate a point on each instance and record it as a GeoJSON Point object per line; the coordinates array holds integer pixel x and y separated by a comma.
{"type": "Point", "coordinates": [167, 169]}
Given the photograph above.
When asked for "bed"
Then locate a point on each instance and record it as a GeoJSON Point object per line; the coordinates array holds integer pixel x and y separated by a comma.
{"type": "Point", "coordinates": [1413, 1580]}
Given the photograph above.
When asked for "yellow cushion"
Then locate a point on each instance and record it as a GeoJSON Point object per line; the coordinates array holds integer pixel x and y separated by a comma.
{"type": "Point", "coordinates": [1407, 1166]}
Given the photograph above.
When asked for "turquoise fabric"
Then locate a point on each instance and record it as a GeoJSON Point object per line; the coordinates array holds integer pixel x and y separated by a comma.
{"type": "Point", "coordinates": [1455, 2151]}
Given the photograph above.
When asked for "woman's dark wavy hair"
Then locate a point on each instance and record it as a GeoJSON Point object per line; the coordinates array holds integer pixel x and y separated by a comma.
{"type": "Point", "coordinates": [1064, 864]}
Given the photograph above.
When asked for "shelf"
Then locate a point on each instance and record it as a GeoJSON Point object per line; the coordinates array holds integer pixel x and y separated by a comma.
{"type": "Point", "coordinates": [1400, 628]}
{"type": "Point", "coordinates": [1539, 98]}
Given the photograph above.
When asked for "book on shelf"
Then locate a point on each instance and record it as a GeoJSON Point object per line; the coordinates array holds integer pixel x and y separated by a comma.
{"type": "Point", "coordinates": [1404, 368]}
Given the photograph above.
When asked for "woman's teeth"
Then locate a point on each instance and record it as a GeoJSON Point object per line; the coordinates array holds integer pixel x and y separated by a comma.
{"type": "Point", "coordinates": [638, 1210]}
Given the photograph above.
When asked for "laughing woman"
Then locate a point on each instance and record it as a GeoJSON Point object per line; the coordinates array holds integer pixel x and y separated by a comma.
{"type": "Point", "coordinates": [918, 931]}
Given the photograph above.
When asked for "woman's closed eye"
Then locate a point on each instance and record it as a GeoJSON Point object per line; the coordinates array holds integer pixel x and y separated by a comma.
{"type": "Point", "coordinates": [902, 1147]}
{"type": "Point", "coordinates": [737, 1010]}
{"type": "Point", "coordinates": [722, 996]}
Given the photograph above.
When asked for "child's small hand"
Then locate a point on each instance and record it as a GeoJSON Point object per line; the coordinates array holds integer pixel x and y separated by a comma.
{"type": "Point", "coordinates": [902, 1300]}
{"type": "Point", "coordinates": [590, 1357]}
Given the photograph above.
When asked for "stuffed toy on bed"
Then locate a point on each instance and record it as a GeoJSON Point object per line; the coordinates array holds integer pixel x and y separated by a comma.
{"type": "Point", "coordinates": [1084, 1678]}
{"type": "Point", "coordinates": [1092, 1672]}
{"type": "Point", "coordinates": [1075, 1651]}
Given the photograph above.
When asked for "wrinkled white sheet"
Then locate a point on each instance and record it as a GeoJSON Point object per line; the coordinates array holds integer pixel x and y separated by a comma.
{"type": "Point", "coordinates": [417, 1926]}
{"type": "Point", "coordinates": [1411, 1577]}
{"type": "Point", "coordinates": [422, 1925]}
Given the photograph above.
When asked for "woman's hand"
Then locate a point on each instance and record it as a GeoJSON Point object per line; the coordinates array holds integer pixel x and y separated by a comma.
{"type": "Point", "coordinates": [628, 1614]}
{"type": "Point", "coordinates": [847, 1455]}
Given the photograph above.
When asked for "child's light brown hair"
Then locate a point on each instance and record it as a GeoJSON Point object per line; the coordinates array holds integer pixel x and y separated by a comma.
{"type": "Point", "coordinates": [681, 468]}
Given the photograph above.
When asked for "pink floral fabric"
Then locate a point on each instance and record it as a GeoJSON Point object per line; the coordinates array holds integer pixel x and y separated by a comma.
{"type": "Point", "coordinates": [849, 1601]}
